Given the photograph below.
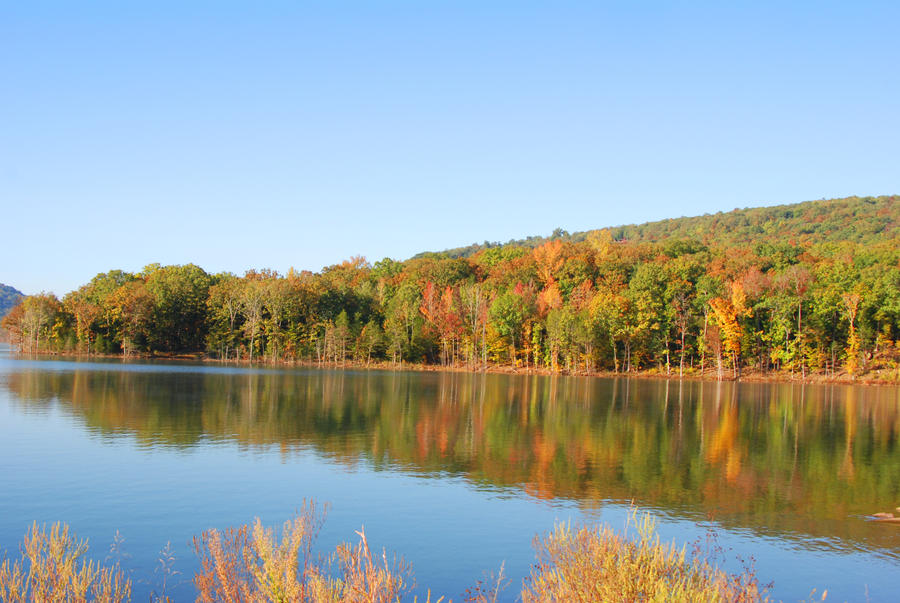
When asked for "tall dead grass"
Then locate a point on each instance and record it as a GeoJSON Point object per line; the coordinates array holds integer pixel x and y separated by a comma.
{"type": "Point", "coordinates": [595, 563]}
{"type": "Point", "coordinates": [249, 564]}
{"type": "Point", "coordinates": [51, 568]}
{"type": "Point", "coordinates": [253, 564]}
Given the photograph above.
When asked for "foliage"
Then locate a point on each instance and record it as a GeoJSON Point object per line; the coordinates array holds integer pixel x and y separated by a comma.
{"type": "Point", "coordinates": [762, 289]}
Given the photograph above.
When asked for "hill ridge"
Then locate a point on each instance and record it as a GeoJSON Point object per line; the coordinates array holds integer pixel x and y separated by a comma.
{"type": "Point", "coordinates": [9, 297]}
{"type": "Point", "coordinates": [805, 221]}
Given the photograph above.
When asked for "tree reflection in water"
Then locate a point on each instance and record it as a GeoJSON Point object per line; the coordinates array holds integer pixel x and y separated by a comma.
{"type": "Point", "coordinates": [788, 460]}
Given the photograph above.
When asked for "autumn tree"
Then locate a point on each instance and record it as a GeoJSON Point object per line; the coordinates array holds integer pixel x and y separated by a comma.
{"type": "Point", "coordinates": [30, 323]}
{"type": "Point", "coordinates": [727, 314]}
{"type": "Point", "coordinates": [609, 311]}
{"type": "Point", "coordinates": [252, 300]}
{"type": "Point", "coordinates": [85, 309]}
{"type": "Point", "coordinates": [131, 307]}
{"type": "Point", "coordinates": [475, 302]}
{"type": "Point", "coordinates": [223, 309]}
{"type": "Point", "coordinates": [278, 300]}
{"type": "Point", "coordinates": [851, 305]}
{"type": "Point", "coordinates": [508, 314]}
{"type": "Point", "coordinates": [369, 341]}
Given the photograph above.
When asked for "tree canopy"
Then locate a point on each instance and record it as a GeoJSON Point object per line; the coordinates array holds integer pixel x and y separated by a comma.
{"type": "Point", "coordinates": [806, 288]}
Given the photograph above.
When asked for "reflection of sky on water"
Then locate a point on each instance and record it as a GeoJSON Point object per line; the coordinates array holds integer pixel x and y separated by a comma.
{"type": "Point", "coordinates": [57, 465]}
{"type": "Point", "coordinates": [450, 531]}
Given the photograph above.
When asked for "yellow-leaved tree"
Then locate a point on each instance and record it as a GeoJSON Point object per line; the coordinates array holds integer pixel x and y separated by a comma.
{"type": "Point", "coordinates": [726, 313]}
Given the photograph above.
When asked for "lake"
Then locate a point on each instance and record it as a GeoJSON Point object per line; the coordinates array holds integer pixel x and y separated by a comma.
{"type": "Point", "coordinates": [456, 472]}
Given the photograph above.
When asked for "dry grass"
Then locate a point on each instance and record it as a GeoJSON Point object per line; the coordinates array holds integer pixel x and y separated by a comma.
{"type": "Point", "coordinates": [594, 563]}
{"type": "Point", "coordinates": [362, 578]}
{"type": "Point", "coordinates": [488, 589]}
{"type": "Point", "coordinates": [52, 569]}
{"type": "Point", "coordinates": [250, 565]}
{"type": "Point", "coordinates": [587, 564]}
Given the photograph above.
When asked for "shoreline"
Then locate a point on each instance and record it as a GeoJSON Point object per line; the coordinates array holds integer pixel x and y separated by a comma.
{"type": "Point", "coordinates": [747, 376]}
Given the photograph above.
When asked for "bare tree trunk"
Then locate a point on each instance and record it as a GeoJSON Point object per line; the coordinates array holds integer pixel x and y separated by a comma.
{"type": "Point", "coordinates": [703, 351]}
{"type": "Point", "coordinates": [667, 353]}
{"type": "Point", "coordinates": [484, 344]}
{"type": "Point", "coordinates": [720, 368]}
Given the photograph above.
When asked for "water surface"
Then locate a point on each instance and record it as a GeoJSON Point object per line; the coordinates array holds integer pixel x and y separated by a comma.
{"type": "Point", "coordinates": [457, 472]}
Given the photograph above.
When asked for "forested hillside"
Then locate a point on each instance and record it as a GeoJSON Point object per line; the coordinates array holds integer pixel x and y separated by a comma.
{"type": "Point", "coordinates": [9, 297]}
{"type": "Point", "coordinates": [852, 219]}
{"type": "Point", "coordinates": [811, 288]}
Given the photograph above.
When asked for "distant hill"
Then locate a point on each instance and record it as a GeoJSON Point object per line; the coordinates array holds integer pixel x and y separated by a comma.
{"type": "Point", "coordinates": [9, 297]}
{"type": "Point", "coordinates": [858, 219]}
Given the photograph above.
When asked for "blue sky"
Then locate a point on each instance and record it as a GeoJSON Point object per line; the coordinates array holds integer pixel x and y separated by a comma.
{"type": "Point", "coordinates": [278, 134]}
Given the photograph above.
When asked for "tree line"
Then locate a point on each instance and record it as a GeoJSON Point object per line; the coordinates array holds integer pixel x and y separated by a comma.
{"type": "Point", "coordinates": [674, 304]}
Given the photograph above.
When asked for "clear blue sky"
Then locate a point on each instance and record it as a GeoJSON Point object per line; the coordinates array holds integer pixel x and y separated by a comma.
{"type": "Point", "coordinates": [278, 134]}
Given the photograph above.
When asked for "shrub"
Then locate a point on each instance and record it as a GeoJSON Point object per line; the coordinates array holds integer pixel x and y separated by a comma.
{"type": "Point", "coordinates": [52, 569]}
{"type": "Point", "coordinates": [594, 563]}
{"type": "Point", "coordinates": [250, 565]}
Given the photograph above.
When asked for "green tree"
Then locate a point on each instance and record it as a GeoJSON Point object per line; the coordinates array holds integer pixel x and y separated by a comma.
{"type": "Point", "coordinates": [508, 314]}
{"type": "Point", "coordinates": [179, 315]}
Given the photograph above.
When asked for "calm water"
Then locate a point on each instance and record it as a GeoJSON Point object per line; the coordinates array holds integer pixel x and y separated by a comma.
{"type": "Point", "coordinates": [456, 472]}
